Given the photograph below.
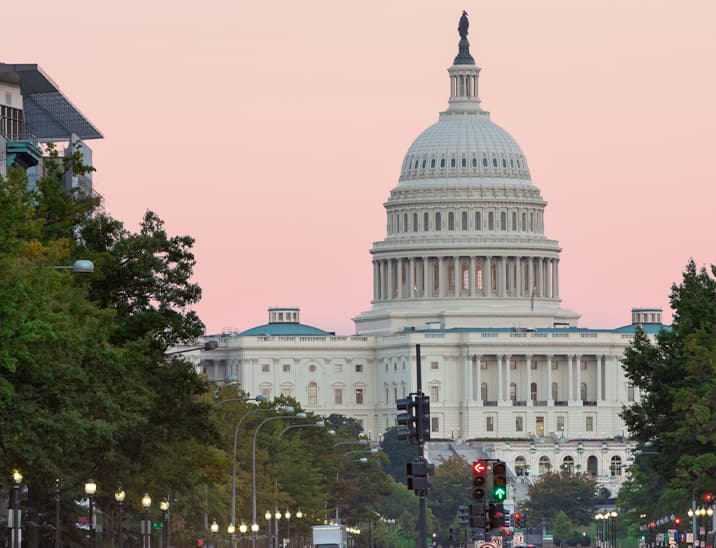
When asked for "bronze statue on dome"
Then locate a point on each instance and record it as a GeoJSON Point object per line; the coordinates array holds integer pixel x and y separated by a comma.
{"type": "Point", "coordinates": [463, 25]}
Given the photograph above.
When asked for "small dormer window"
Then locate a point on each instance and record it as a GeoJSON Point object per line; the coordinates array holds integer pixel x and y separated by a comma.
{"type": "Point", "coordinates": [432, 163]}
{"type": "Point", "coordinates": [474, 162]}
{"type": "Point", "coordinates": [484, 162]}
{"type": "Point", "coordinates": [504, 163]}
{"type": "Point", "coordinates": [422, 166]}
{"type": "Point", "coordinates": [494, 162]}
{"type": "Point", "coordinates": [464, 162]}
{"type": "Point", "coordinates": [442, 162]}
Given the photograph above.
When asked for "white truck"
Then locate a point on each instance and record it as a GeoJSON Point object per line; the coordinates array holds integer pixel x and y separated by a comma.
{"type": "Point", "coordinates": [330, 536]}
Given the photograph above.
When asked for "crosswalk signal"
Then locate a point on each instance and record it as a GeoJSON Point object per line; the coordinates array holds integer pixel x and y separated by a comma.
{"type": "Point", "coordinates": [406, 419]}
{"type": "Point", "coordinates": [499, 481]}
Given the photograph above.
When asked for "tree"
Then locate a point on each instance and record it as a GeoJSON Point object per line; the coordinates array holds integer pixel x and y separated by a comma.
{"type": "Point", "coordinates": [400, 453]}
{"type": "Point", "coordinates": [555, 492]}
{"type": "Point", "coordinates": [674, 422]}
{"type": "Point", "coordinates": [562, 528]}
{"type": "Point", "coordinates": [450, 488]}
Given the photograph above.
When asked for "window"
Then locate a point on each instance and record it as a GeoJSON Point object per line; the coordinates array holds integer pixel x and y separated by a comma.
{"type": "Point", "coordinates": [286, 391]}
{"type": "Point", "coordinates": [433, 365]}
{"type": "Point", "coordinates": [589, 426]}
{"type": "Point", "coordinates": [422, 166]}
{"type": "Point", "coordinates": [265, 368]}
{"type": "Point", "coordinates": [504, 163]}
{"type": "Point", "coordinates": [478, 221]}
{"type": "Point", "coordinates": [514, 220]}
{"type": "Point", "coordinates": [513, 391]}
{"type": "Point", "coordinates": [560, 423]}
{"type": "Point", "coordinates": [452, 162]}
{"type": "Point", "coordinates": [359, 396]}
{"type": "Point", "coordinates": [568, 464]}
{"type": "Point", "coordinates": [386, 395]}
{"type": "Point", "coordinates": [405, 222]}
{"type": "Point", "coordinates": [484, 162]}
{"type": "Point", "coordinates": [286, 367]}
{"type": "Point", "coordinates": [544, 465]}
{"type": "Point", "coordinates": [339, 368]}
{"type": "Point", "coordinates": [434, 424]}
{"type": "Point", "coordinates": [426, 221]}
{"type": "Point", "coordinates": [442, 162]}
{"type": "Point", "coordinates": [503, 220]}
{"type": "Point", "coordinates": [630, 392]}
{"type": "Point", "coordinates": [524, 221]}
{"type": "Point", "coordinates": [432, 163]}
{"type": "Point", "coordinates": [494, 162]}
{"type": "Point", "coordinates": [583, 391]}
{"type": "Point", "coordinates": [474, 162]}
{"type": "Point", "coordinates": [434, 392]}
{"type": "Point", "coordinates": [451, 221]}
{"type": "Point", "coordinates": [312, 393]}
{"type": "Point", "coordinates": [519, 424]}
{"type": "Point", "coordinates": [491, 221]}
{"type": "Point", "coordinates": [483, 391]}
{"type": "Point", "coordinates": [415, 222]}
{"type": "Point", "coordinates": [464, 162]}
{"type": "Point", "coordinates": [490, 424]}
{"type": "Point", "coordinates": [266, 392]}
{"type": "Point", "coordinates": [463, 220]}
{"type": "Point", "coordinates": [592, 465]}
{"type": "Point", "coordinates": [615, 466]}
{"type": "Point", "coordinates": [438, 221]}
{"type": "Point", "coordinates": [533, 391]}
{"type": "Point", "coordinates": [338, 396]}
{"type": "Point", "coordinates": [520, 466]}
{"type": "Point", "coordinates": [359, 368]}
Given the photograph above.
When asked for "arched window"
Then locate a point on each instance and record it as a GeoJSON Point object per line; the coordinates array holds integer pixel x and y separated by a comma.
{"type": "Point", "coordinates": [513, 391]}
{"type": "Point", "coordinates": [478, 221]}
{"type": "Point", "coordinates": [545, 466]}
{"type": "Point", "coordinates": [483, 391]}
{"type": "Point", "coordinates": [583, 391]}
{"type": "Point", "coordinates": [491, 220]}
{"type": "Point", "coordinates": [442, 162]}
{"type": "Point", "coordinates": [524, 221]}
{"type": "Point", "coordinates": [494, 162]}
{"type": "Point", "coordinates": [451, 221]}
{"type": "Point", "coordinates": [484, 162]}
{"type": "Point", "coordinates": [432, 163]}
{"type": "Point", "coordinates": [452, 162]}
{"type": "Point", "coordinates": [422, 165]}
{"type": "Point", "coordinates": [426, 221]}
{"type": "Point", "coordinates": [532, 222]}
{"type": "Point", "coordinates": [504, 163]}
{"type": "Point", "coordinates": [592, 465]}
{"type": "Point", "coordinates": [568, 465]}
{"type": "Point", "coordinates": [615, 466]}
{"type": "Point", "coordinates": [464, 162]}
{"type": "Point", "coordinates": [415, 222]}
{"type": "Point", "coordinates": [521, 466]}
{"type": "Point", "coordinates": [474, 162]}
{"type": "Point", "coordinates": [312, 393]}
{"type": "Point", "coordinates": [438, 221]}
{"type": "Point", "coordinates": [503, 220]}
{"type": "Point", "coordinates": [555, 391]}
{"type": "Point", "coordinates": [405, 222]}
{"type": "Point", "coordinates": [463, 220]}
{"type": "Point", "coordinates": [533, 391]}
{"type": "Point", "coordinates": [514, 220]}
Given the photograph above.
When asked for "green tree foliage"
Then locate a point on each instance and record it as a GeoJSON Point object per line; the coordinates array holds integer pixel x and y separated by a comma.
{"type": "Point", "coordinates": [400, 453]}
{"type": "Point", "coordinates": [451, 487]}
{"type": "Point", "coordinates": [562, 528]}
{"type": "Point", "coordinates": [674, 422]}
{"type": "Point", "coordinates": [555, 492]}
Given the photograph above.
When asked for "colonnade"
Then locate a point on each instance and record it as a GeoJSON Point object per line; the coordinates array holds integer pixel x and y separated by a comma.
{"type": "Point", "coordinates": [465, 276]}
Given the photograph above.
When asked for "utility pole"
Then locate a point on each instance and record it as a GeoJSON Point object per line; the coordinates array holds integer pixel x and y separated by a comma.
{"type": "Point", "coordinates": [422, 528]}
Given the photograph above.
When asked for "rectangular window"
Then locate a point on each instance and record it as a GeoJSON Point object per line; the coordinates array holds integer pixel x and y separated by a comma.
{"type": "Point", "coordinates": [286, 391]}
{"type": "Point", "coordinates": [359, 396]}
{"type": "Point", "coordinates": [435, 393]}
{"type": "Point", "coordinates": [560, 423]}
{"type": "Point", "coordinates": [589, 427]}
{"type": "Point", "coordinates": [490, 424]}
{"type": "Point", "coordinates": [533, 364]}
{"type": "Point", "coordinates": [265, 368]}
{"type": "Point", "coordinates": [339, 368]}
{"type": "Point", "coordinates": [519, 424]}
{"type": "Point", "coordinates": [286, 367]}
{"type": "Point", "coordinates": [338, 396]}
{"type": "Point", "coordinates": [483, 364]}
{"type": "Point", "coordinates": [359, 368]}
{"type": "Point", "coordinates": [433, 365]}
{"type": "Point", "coordinates": [434, 424]}
{"type": "Point", "coordinates": [266, 392]}
{"type": "Point", "coordinates": [630, 392]}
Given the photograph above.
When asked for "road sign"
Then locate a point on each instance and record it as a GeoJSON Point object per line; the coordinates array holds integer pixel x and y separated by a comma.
{"type": "Point", "coordinates": [481, 544]}
{"type": "Point", "coordinates": [518, 538]}
{"type": "Point", "coordinates": [157, 525]}
{"type": "Point", "coordinates": [497, 541]}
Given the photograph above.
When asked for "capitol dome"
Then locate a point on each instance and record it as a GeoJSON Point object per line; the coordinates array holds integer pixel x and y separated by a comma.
{"type": "Point", "coordinates": [465, 146]}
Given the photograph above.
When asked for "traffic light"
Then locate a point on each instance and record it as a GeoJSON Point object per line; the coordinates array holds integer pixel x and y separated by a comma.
{"type": "Point", "coordinates": [406, 418]}
{"type": "Point", "coordinates": [422, 417]}
{"type": "Point", "coordinates": [478, 518]}
{"type": "Point", "coordinates": [517, 520]}
{"type": "Point", "coordinates": [499, 481]}
{"type": "Point", "coordinates": [709, 498]}
{"type": "Point", "coordinates": [418, 472]}
{"type": "Point", "coordinates": [480, 470]}
{"type": "Point", "coordinates": [496, 515]}
{"type": "Point", "coordinates": [677, 521]}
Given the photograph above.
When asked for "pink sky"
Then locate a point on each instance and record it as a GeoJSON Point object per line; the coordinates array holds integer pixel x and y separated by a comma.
{"type": "Point", "coordinates": [272, 132]}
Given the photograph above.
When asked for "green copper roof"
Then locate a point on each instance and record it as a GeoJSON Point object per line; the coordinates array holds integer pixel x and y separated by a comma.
{"type": "Point", "coordinates": [287, 329]}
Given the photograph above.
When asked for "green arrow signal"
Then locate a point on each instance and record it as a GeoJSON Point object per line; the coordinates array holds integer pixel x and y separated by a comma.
{"type": "Point", "coordinates": [499, 493]}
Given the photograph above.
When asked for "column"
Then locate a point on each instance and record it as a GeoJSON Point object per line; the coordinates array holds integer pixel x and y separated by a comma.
{"type": "Point", "coordinates": [528, 365]}
{"type": "Point", "coordinates": [578, 366]}
{"type": "Point", "coordinates": [411, 278]}
{"type": "Point", "coordinates": [478, 378]}
{"type": "Point", "coordinates": [389, 286]}
{"type": "Point", "coordinates": [503, 276]}
{"type": "Point", "coordinates": [442, 277]}
{"type": "Point", "coordinates": [471, 276]}
{"type": "Point", "coordinates": [599, 376]}
{"type": "Point", "coordinates": [508, 368]}
{"type": "Point", "coordinates": [570, 391]}
{"type": "Point", "coordinates": [457, 267]}
{"type": "Point", "coordinates": [425, 277]}
{"type": "Point", "coordinates": [376, 278]}
{"type": "Point", "coordinates": [399, 278]}
{"type": "Point", "coordinates": [531, 275]}
{"type": "Point", "coordinates": [499, 377]}
{"type": "Point", "coordinates": [487, 276]}
{"type": "Point", "coordinates": [549, 379]}
{"type": "Point", "coordinates": [466, 395]}
{"type": "Point", "coordinates": [520, 278]}
{"type": "Point", "coordinates": [556, 278]}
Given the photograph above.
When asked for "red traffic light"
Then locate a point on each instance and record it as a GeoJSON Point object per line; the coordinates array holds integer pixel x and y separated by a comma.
{"type": "Point", "coordinates": [709, 498]}
{"type": "Point", "coordinates": [479, 467]}
{"type": "Point", "coordinates": [677, 520]}
{"type": "Point", "coordinates": [518, 516]}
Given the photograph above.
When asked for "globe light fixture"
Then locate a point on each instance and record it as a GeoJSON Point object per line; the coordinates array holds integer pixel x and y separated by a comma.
{"type": "Point", "coordinates": [243, 528]}
{"type": "Point", "coordinates": [214, 527]}
{"type": "Point", "coordinates": [146, 501]}
{"type": "Point", "coordinates": [90, 490]}
{"type": "Point", "coordinates": [17, 477]}
{"type": "Point", "coordinates": [299, 514]}
{"type": "Point", "coordinates": [254, 527]}
{"type": "Point", "coordinates": [231, 529]}
{"type": "Point", "coordinates": [120, 495]}
{"type": "Point", "coordinates": [268, 515]}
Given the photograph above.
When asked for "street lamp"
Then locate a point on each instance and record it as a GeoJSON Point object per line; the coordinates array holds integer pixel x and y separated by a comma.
{"type": "Point", "coordinates": [164, 507]}
{"type": "Point", "coordinates": [242, 529]}
{"type": "Point", "coordinates": [58, 529]}
{"type": "Point", "coordinates": [255, 529]}
{"type": "Point", "coordinates": [253, 457]}
{"type": "Point", "coordinates": [90, 490]}
{"type": "Point", "coordinates": [14, 512]}
{"type": "Point", "coordinates": [268, 515]}
{"type": "Point", "coordinates": [276, 519]}
{"type": "Point", "coordinates": [215, 531]}
{"type": "Point", "coordinates": [146, 524]}
{"type": "Point", "coordinates": [231, 530]}
{"type": "Point", "coordinates": [119, 498]}
{"type": "Point", "coordinates": [287, 515]}
{"type": "Point", "coordinates": [78, 267]}
{"type": "Point", "coordinates": [208, 345]}
{"type": "Point", "coordinates": [598, 519]}
{"type": "Point", "coordinates": [613, 514]}
{"type": "Point", "coordinates": [283, 409]}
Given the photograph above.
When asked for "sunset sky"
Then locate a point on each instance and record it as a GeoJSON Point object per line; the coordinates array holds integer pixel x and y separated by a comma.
{"type": "Point", "coordinates": [272, 132]}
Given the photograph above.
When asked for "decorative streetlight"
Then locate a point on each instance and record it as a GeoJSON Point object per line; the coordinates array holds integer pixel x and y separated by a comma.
{"type": "Point", "coordinates": [613, 515]}
{"type": "Point", "coordinates": [242, 529]}
{"type": "Point", "coordinates": [268, 515]}
{"type": "Point", "coordinates": [80, 266]}
{"type": "Point", "coordinates": [14, 513]}
{"type": "Point", "coordinates": [598, 519]}
{"type": "Point", "coordinates": [146, 524]}
{"type": "Point", "coordinates": [90, 490]}
{"type": "Point", "coordinates": [231, 531]}
{"type": "Point", "coordinates": [215, 531]}
{"type": "Point", "coordinates": [255, 530]}
{"type": "Point", "coordinates": [119, 498]}
{"type": "Point", "coordinates": [164, 507]}
{"type": "Point", "coordinates": [287, 515]}
{"type": "Point", "coordinates": [58, 530]}
{"type": "Point", "coordinates": [299, 515]}
{"type": "Point", "coordinates": [276, 519]}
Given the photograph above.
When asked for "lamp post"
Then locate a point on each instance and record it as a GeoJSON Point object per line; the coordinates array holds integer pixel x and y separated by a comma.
{"type": "Point", "coordinates": [613, 515]}
{"type": "Point", "coordinates": [14, 516]}
{"type": "Point", "coordinates": [231, 531]}
{"type": "Point", "coordinates": [299, 516]}
{"type": "Point", "coordinates": [119, 498]}
{"type": "Point", "coordinates": [146, 524]}
{"type": "Point", "coordinates": [598, 520]}
{"type": "Point", "coordinates": [90, 490]}
{"type": "Point", "coordinates": [287, 515]}
{"type": "Point", "coordinates": [268, 515]}
{"type": "Point", "coordinates": [254, 530]}
{"type": "Point", "coordinates": [58, 530]}
{"type": "Point", "coordinates": [164, 507]}
{"type": "Point", "coordinates": [215, 531]}
{"type": "Point", "coordinates": [253, 458]}
{"type": "Point", "coordinates": [285, 409]}
{"type": "Point", "coordinates": [242, 529]}
{"type": "Point", "coordinates": [276, 519]}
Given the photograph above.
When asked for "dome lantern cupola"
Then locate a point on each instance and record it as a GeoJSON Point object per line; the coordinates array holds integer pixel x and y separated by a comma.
{"type": "Point", "coordinates": [464, 74]}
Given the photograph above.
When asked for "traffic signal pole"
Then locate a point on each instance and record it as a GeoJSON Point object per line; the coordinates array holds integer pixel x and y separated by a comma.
{"type": "Point", "coordinates": [422, 527]}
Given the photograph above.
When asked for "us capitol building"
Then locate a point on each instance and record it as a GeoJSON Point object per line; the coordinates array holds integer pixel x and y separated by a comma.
{"type": "Point", "coordinates": [466, 271]}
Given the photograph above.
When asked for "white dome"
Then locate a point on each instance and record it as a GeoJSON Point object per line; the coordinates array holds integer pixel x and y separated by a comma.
{"type": "Point", "coordinates": [465, 146]}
